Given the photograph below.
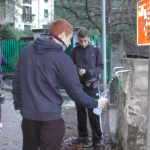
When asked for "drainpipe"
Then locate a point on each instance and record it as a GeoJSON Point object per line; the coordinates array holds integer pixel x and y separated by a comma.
{"type": "Point", "coordinates": [148, 104]}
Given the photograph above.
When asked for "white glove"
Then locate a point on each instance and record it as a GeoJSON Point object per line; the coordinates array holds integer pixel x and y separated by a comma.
{"type": "Point", "coordinates": [18, 111]}
{"type": "Point", "coordinates": [101, 103]}
{"type": "Point", "coordinates": [81, 72]}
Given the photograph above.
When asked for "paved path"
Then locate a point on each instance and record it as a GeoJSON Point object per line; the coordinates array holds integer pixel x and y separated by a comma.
{"type": "Point", "coordinates": [10, 136]}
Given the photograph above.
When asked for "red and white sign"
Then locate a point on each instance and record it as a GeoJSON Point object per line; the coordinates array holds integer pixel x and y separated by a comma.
{"type": "Point", "coordinates": [143, 23]}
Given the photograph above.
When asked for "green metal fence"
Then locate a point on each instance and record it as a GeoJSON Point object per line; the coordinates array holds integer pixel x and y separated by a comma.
{"type": "Point", "coordinates": [22, 45]}
{"type": "Point", "coordinates": [11, 50]}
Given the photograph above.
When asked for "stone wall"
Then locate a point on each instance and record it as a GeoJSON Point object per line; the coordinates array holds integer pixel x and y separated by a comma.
{"type": "Point", "coordinates": [133, 96]}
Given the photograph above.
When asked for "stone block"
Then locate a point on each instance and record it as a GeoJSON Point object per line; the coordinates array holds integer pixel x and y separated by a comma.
{"type": "Point", "coordinates": [133, 96]}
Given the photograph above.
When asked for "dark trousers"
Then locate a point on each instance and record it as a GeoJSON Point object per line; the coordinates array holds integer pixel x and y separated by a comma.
{"type": "Point", "coordinates": [47, 135]}
{"type": "Point", "coordinates": [93, 119]}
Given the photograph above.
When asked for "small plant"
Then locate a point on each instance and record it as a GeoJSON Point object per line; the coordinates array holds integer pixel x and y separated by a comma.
{"type": "Point", "coordinates": [7, 33]}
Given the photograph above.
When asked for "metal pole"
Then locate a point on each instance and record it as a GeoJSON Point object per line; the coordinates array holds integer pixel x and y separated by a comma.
{"type": "Point", "coordinates": [104, 43]}
{"type": "Point", "coordinates": [38, 14]}
{"type": "Point", "coordinates": [51, 11]}
{"type": "Point", "coordinates": [148, 105]}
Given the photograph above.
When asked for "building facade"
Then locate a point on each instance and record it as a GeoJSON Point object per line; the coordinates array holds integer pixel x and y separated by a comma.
{"type": "Point", "coordinates": [28, 14]}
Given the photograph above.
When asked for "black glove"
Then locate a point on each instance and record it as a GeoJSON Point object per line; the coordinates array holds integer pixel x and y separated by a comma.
{"type": "Point", "coordinates": [87, 74]}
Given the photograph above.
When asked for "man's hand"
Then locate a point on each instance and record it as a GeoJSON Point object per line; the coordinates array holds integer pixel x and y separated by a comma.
{"type": "Point", "coordinates": [87, 74]}
{"type": "Point", "coordinates": [81, 72]}
{"type": "Point", "coordinates": [101, 103]}
{"type": "Point", "coordinates": [18, 111]}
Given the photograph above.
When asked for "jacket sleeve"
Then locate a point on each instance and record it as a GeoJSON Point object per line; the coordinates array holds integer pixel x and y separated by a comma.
{"type": "Point", "coordinates": [3, 61]}
{"type": "Point", "coordinates": [70, 81]}
{"type": "Point", "coordinates": [99, 66]}
{"type": "Point", "coordinates": [72, 56]}
{"type": "Point", "coordinates": [16, 87]}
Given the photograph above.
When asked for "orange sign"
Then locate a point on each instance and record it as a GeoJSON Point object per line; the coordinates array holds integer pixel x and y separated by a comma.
{"type": "Point", "coordinates": [143, 23]}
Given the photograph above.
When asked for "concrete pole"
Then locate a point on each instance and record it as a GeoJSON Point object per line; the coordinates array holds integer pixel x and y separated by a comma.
{"type": "Point", "coordinates": [104, 43]}
{"type": "Point", "coordinates": [148, 105]}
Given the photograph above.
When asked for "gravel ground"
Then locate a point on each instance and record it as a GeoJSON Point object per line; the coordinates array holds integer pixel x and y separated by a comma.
{"type": "Point", "coordinates": [11, 134]}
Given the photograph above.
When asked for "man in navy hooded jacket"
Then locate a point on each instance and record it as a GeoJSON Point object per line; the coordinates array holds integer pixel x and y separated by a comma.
{"type": "Point", "coordinates": [41, 68]}
{"type": "Point", "coordinates": [89, 64]}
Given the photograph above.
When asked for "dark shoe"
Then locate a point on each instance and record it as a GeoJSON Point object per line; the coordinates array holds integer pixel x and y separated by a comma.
{"type": "Point", "coordinates": [2, 99]}
{"type": "Point", "coordinates": [98, 145]}
{"type": "Point", "coordinates": [3, 78]}
{"type": "Point", "coordinates": [80, 140]}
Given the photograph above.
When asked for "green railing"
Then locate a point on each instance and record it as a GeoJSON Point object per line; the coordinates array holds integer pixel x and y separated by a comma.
{"type": "Point", "coordinates": [22, 45]}
{"type": "Point", "coordinates": [11, 50]}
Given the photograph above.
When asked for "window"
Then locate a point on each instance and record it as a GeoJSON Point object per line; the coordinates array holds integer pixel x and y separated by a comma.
{"type": "Point", "coordinates": [3, 16]}
{"type": "Point", "coordinates": [3, 13]}
{"type": "Point", "coordinates": [27, 1]}
{"type": "Point", "coordinates": [27, 12]}
{"type": "Point", "coordinates": [45, 26]}
{"type": "Point", "coordinates": [9, 3]}
{"type": "Point", "coordinates": [45, 12]}
{"type": "Point", "coordinates": [26, 27]}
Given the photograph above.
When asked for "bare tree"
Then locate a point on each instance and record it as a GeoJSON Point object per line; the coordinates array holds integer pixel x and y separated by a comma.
{"type": "Point", "coordinates": [120, 15]}
{"type": "Point", "coordinates": [80, 12]}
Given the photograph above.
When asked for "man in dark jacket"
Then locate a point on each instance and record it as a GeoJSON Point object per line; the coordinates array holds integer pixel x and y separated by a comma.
{"type": "Point", "coordinates": [2, 99]}
{"type": "Point", "coordinates": [41, 68]}
{"type": "Point", "coordinates": [89, 65]}
{"type": "Point", "coordinates": [2, 62]}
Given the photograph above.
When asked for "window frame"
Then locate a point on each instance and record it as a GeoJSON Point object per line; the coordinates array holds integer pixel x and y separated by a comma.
{"type": "Point", "coordinates": [28, 27]}
{"type": "Point", "coordinates": [3, 14]}
{"type": "Point", "coordinates": [45, 14]}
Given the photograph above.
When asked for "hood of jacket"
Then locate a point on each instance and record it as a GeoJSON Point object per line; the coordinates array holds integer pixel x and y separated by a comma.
{"type": "Point", "coordinates": [78, 44]}
{"type": "Point", "coordinates": [44, 45]}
